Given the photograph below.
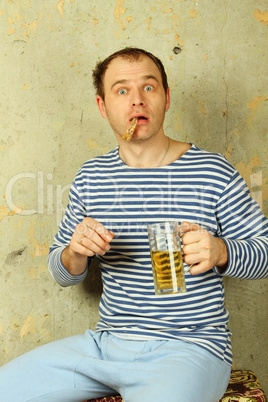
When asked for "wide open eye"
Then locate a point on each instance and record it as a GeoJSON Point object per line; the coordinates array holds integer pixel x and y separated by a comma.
{"type": "Point", "coordinates": [122, 91]}
{"type": "Point", "coordinates": [148, 88]}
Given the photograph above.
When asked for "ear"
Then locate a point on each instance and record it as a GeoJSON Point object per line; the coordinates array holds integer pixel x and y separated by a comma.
{"type": "Point", "coordinates": [101, 106]}
{"type": "Point", "coordinates": [167, 99]}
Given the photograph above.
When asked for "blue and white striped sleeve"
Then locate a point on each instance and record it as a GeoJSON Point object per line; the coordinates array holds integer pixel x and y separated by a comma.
{"type": "Point", "coordinates": [74, 214]}
{"type": "Point", "coordinates": [244, 229]}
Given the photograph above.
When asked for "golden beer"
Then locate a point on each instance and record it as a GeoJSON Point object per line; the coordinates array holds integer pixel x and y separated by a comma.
{"type": "Point", "coordinates": [168, 271]}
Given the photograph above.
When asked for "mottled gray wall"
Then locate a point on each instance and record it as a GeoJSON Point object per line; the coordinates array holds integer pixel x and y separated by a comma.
{"type": "Point", "coordinates": [214, 52]}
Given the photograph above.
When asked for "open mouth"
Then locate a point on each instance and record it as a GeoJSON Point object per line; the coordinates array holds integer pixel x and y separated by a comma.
{"type": "Point", "coordinates": [140, 118]}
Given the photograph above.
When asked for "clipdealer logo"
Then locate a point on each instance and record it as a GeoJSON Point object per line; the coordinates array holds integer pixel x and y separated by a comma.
{"type": "Point", "coordinates": [154, 199]}
{"type": "Point", "coordinates": [49, 196]}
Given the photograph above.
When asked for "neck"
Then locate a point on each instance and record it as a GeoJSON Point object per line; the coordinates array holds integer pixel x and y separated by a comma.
{"type": "Point", "coordinates": [145, 155]}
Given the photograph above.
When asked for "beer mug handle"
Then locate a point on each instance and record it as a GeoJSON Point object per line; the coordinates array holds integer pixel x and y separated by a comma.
{"type": "Point", "coordinates": [187, 269]}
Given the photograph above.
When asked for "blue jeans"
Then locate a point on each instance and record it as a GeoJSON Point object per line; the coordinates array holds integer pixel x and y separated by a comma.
{"type": "Point", "coordinates": [100, 364]}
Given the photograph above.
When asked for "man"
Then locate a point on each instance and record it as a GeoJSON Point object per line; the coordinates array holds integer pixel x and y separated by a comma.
{"type": "Point", "coordinates": [146, 347]}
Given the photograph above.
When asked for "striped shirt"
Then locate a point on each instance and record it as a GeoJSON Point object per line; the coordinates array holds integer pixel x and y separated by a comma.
{"type": "Point", "coordinates": [200, 187]}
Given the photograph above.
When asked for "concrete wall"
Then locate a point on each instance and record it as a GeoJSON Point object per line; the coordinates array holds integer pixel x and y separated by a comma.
{"type": "Point", "coordinates": [214, 52]}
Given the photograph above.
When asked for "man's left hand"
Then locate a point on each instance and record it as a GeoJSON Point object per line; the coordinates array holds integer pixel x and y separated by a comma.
{"type": "Point", "coordinates": [201, 249]}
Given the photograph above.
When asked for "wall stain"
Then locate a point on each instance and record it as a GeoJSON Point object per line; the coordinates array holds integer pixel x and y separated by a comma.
{"type": "Point", "coordinates": [245, 169]}
{"type": "Point", "coordinates": [11, 31]}
{"type": "Point", "coordinates": [228, 153]}
{"type": "Point", "coordinates": [178, 39]}
{"type": "Point", "coordinates": [261, 17]}
{"type": "Point", "coordinates": [236, 132]}
{"type": "Point", "coordinates": [119, 12]}
{"type": "Point", "coordinates": [193, 13]}
{"type": "Point", "coordinates": [28, 326]}
{"type": "Point", "coordinates": [14, 324]}
{"type": "Point", "coordinates": [60, 7]}
{"type": "Point", "coordinates": [254, 105]}
{"type": "Point", "coordinates": [176, 18]}
{"type": "Point", "coordinates": [95, 20]}
{"type": "Point", "coordinates": [93, 144]}
{"type": "Point", "coordinates": [119, 9]}
{"type": "Point", "coordinates": [15, 257]}
{"type": "Point", "coordinates": [149, 23]}
{"type": "Point", "coordinates": [2, 329]}
{"type": "Point", "coordinates": [21, 27]}
{"type": "Point", "coordinates": [202, 108]}
{"type": "Point", "coordinates": [43, 322]}
{"type": "Point", "coordinates": [4, 212]}
{"type": "Point", "coordinates": [117, 34]}
{"type": "Point", "coordinates": [36, 272]}
{"type": "Point", "coordinates": [38, 249]}
{"type": "Point", "coordinates": [129, 19]}
{"type": "Point", "coordinates": [18, 223]}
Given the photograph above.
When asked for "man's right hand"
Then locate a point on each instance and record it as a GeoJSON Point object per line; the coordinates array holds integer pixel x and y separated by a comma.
{"type": "Point", "coordinates": [89, 238]}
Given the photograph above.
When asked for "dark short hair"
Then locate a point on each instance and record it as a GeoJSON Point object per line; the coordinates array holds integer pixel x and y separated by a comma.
{"type": "Point", "coordinates": [131, 53]}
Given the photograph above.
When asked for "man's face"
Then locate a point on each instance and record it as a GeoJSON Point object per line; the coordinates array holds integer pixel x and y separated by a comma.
{"type": "Point", "coordinates": [134, 89]}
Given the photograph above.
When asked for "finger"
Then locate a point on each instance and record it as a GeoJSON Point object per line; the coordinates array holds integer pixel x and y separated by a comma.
{"type": "Point", "coordinates": [192, 259]}
{"type": "Point", "coordinates": [192, 237]}
{"type": "Point", "coordinates": [93, 247]}
{"type": "Point", "coordinates": [199, 268]}
{"type": "Point", "coordinates": [96, 238]}
{"type": "Point", "coordinates": [99, 228]}
{"type": "Point", "coordinates": [79, 248]}
{"type": "Point", "coordinates": [195, 234]}
{"type": "Point", "coordinates": [92, 241]}
{"type": "Point", "coordinates": [85, 228]}
{"type": "Point", "coordinates": [91, 237]}
{"type": "Point", "coordinates": [107, 235]}
{"type": "Point", "coordinates": [90, 228]}
{"type": "Point", "coordinates": [85, 246]}
{"type": "Point", "coordinates": [188, 226]}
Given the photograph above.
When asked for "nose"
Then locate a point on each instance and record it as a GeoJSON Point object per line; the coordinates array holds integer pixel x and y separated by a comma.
{"type": "Point", "coordinates": [137, 98]}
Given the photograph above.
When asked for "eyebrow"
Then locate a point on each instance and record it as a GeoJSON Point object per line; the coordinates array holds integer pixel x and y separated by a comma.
{"type": "Point", "coordinates": [145, 78]}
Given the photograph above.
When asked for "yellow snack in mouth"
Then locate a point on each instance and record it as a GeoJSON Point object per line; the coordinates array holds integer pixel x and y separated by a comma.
{"type": "Point", "coordinates": [128, 134]}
